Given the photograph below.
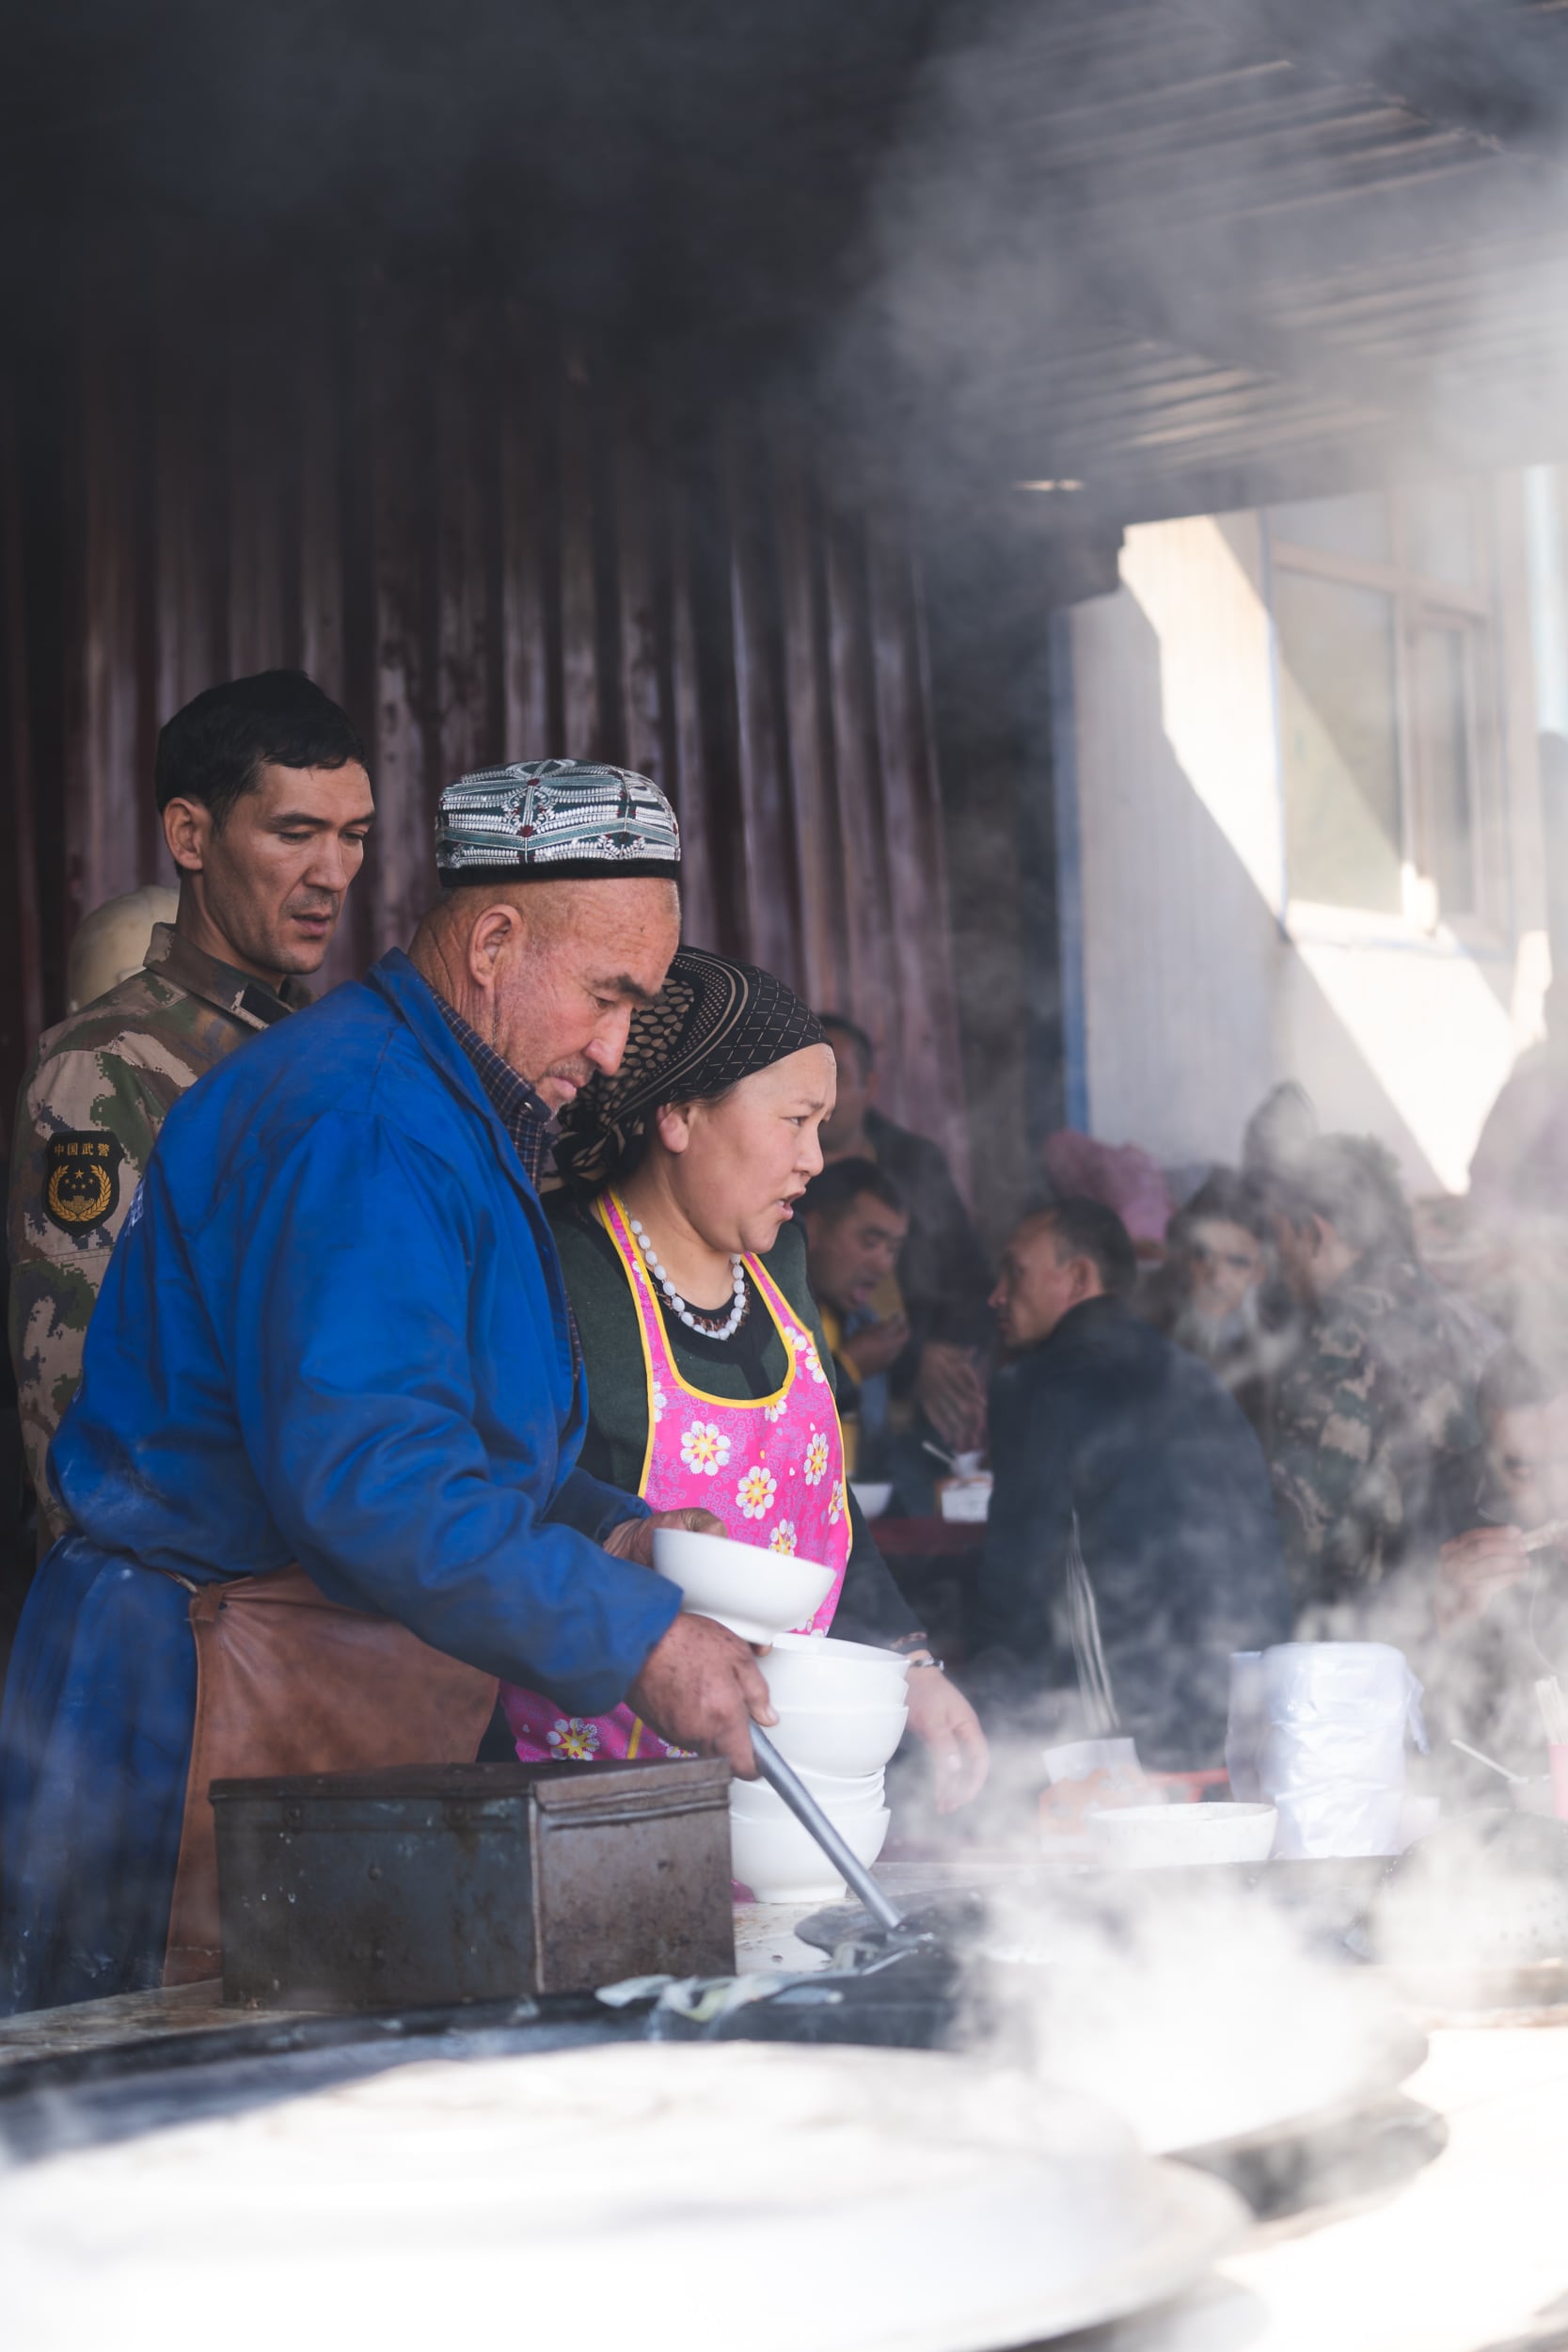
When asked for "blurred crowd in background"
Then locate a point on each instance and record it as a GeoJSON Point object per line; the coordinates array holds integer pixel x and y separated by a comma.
{"type": "Point", "coordinates": [1220, 1407]}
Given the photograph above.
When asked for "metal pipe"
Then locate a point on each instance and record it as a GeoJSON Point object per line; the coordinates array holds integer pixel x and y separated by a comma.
{"type": "Point", "coordinates": [781, 1777]}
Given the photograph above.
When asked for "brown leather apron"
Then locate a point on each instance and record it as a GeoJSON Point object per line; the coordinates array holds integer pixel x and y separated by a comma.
{"type": "Point", "coordinates": [287, 1681]}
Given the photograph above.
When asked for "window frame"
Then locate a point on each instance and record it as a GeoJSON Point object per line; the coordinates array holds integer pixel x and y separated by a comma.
{"type": "Point", "coordinates": [1417, 602]}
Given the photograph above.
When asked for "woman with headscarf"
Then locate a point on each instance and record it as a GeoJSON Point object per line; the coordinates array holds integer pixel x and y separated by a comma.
{"type": "Point", "coordinates": [709, 1374]}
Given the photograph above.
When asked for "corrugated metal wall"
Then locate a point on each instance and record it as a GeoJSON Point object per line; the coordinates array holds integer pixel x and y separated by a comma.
{"type": "Point", "coordinates": [490, 546]}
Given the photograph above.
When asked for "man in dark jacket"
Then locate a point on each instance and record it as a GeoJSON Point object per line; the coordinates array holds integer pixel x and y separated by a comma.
{"type": "Point", "coordinates": [1132, 1543]}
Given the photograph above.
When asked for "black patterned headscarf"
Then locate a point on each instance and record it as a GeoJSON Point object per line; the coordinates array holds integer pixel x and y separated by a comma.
{"type": "Point", "coordinates": [712, 1023]}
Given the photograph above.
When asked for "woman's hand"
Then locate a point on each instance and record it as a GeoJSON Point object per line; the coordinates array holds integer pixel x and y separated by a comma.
{"type": "Point", "coordinates": [942, 1717]}
{"type": "Point", "coordinates": [633, 1540]}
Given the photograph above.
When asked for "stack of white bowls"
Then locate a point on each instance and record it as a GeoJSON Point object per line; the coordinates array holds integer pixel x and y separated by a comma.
{"type": "Point", "coordinates": [841, 1707]}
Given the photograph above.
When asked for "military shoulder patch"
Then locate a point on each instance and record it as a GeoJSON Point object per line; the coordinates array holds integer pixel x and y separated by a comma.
{"type": "Point", "coordinates": [81, 1178]}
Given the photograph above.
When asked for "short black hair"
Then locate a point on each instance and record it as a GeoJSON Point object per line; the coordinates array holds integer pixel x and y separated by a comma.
{"type": "Point", "coordinates": [857, 1036]}
{"type": "Point", "coordinates": [1087, 1228]}
{"type": "Point", "coordinates": [845, 1182]}
{"type": "Point", "coordinates": [1512, 1378]}
{"type": "Point", "coordinates": [1230, 1198]}
{"type": "Point", "coordinates": [214, 749]}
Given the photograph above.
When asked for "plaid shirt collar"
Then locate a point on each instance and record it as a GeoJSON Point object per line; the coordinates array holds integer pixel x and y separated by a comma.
{"type": "Point", "coordinates": [526, 1118]}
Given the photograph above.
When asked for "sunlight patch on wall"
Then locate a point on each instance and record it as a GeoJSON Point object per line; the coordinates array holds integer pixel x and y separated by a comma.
{"type": "Point", "coordinates": [1198, 582]}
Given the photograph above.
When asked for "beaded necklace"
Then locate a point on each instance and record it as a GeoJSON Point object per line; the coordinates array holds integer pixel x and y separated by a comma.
{"type": "Point", "coordinates": [694, 1319]}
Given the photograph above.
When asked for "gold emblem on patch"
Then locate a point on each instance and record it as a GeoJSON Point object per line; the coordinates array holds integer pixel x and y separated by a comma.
{"type": "Point", "coordinates": [81, 1185]}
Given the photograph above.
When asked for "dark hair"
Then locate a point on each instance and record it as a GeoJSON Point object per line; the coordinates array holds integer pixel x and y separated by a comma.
{"type": "Point", "coordinates": [214, 750]}
{"type": "Point", "coordinates": [844, 1182]}
{"type": "Point", "coordinates": [856, 1035]}
{"type": "Point", "coordinates": [1086, 1229]}
{"type": "Point", "coordinates": [1512, 1378]}
{"type": "Point", "coordinates": [1351, 1182]}
{"type": "Point", "coordinates": [1231, 1198]}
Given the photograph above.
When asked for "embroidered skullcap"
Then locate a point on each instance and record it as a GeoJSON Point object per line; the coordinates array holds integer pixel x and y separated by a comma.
{"type": "Point", "coordinates": [712, 1023]}
{"type": "Point", "coordinates": [554, 820]}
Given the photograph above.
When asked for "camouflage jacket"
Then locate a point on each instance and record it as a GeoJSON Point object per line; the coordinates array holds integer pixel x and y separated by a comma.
{"type": "Point", "coordinates": [100, 1085]}
{"type": "Point", "coordinates": [1369, 1417]}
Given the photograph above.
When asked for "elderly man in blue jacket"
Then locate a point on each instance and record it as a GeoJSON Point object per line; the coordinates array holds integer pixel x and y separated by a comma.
{"type": "Point", "coordinates": [320, 1474]}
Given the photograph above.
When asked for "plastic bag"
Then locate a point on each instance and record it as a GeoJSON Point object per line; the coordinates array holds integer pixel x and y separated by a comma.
{"type": "Point", "coordinates": [1336, 1718]}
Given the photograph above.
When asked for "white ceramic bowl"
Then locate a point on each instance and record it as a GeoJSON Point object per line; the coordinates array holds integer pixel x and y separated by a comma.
{"type": "Point", "coordinates": [756, 1593]}
{"type": "Point", "coordinates": [781, 1863]}
{"type": "Point", "coordinates": [1166, 1836]}
{"type": "Point", "coordinates": [863, 1794]}
{"type": "Point", "coordinates": [845, 1739]}
{"type": "Point", "coordinates": [872, 1494]}
{"type": "Point", "coordinates": [811, 1670]}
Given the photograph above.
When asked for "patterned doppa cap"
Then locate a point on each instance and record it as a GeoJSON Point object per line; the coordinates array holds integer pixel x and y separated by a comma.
{"type": "Point", "coordinates": [554, 820]}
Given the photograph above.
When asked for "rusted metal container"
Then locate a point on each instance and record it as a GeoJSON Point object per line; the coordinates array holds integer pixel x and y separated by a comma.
{"type": "Point", "coordinates": [470, 1882]}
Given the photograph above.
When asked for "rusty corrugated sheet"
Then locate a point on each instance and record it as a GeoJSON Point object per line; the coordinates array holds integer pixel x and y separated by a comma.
{"type": "Point", "coordinates": [492, 547]}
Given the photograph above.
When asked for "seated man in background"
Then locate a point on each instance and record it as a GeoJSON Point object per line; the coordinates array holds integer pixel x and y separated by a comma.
{"type": "Point", "coordinates": [1500, 1611]}
{"type": "Point", "coordinates": [856, 1224]}
{"type": "Point", "coordinates": [1218, 1292]}
{"type": "Point", "coordinates": [1375, 1412]}
{"type": "Point", "coordinates": [1131, 1543]}
{"type": "Point", "coordinates": [942, 1275]}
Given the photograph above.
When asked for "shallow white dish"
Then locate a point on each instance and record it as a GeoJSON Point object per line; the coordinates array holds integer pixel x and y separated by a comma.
{"type": "Point", "coordinates": [782, 1863]}
{"type": "Point", "coordinates": [815, 1670]}
{"type": "Point", "coordinates": [841, 1739]}
{"type": "Point", "coordinates": [892, 2201]}
{"type": "Point", "coordinates": [1169, 1836]}
{"type": "Point", "coordinates": [872, 1494]}
{"type": "Point", "coordinates": [756, 1593]}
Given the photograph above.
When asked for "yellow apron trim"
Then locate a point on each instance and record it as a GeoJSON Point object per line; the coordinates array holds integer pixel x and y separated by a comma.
{"type": "Point", "coordinates": [767, 1293]}
{"type": "Point", "coordinates": [766, 1281]}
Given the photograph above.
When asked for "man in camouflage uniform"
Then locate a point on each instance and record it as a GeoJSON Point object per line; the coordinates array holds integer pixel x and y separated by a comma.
{"type": "Point", "coordinates": [265, 805]}
{"type": "Point", "coordinates": [1376, 1410]}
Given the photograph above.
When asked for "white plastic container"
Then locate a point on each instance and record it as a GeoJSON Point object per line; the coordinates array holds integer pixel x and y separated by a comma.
{"type": "Point", "coordinates": [1336, 1719]}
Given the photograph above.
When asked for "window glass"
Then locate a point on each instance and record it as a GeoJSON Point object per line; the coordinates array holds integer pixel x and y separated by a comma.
{"type": "Point", "coordinates": [1355, 526]}
{"type": "Point", "coordinates": [1440, 695]}
{"type": "Point", "coordinates": [1439, 522]}
{"type": "Point", "coordinates": [1340, 748]}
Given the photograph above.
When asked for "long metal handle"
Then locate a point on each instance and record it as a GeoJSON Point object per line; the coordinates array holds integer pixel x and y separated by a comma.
{"type": "Point", "coordinates": [781, 1777]}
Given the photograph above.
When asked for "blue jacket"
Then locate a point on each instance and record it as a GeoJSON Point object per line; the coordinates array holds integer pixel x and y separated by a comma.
{"type": "Point", "coordinates": [333, 1330]}
{"type": "Point", "coordinates": [336, 1332]}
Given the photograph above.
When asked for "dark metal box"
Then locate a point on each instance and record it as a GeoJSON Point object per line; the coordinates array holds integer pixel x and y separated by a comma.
{"type": "Point", "coordinates": [471, 1882]}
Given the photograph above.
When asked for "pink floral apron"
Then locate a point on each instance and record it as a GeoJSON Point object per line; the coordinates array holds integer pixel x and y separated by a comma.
{"type": "Point", "coordinates": [772, 1469]}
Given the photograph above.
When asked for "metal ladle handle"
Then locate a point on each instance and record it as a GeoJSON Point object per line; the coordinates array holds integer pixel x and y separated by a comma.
{"type": "Point", "coordinates": [781, 1777]}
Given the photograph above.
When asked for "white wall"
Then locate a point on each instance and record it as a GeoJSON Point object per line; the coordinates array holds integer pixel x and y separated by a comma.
{"type": "Point", "coordinates": [1201, 988]}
